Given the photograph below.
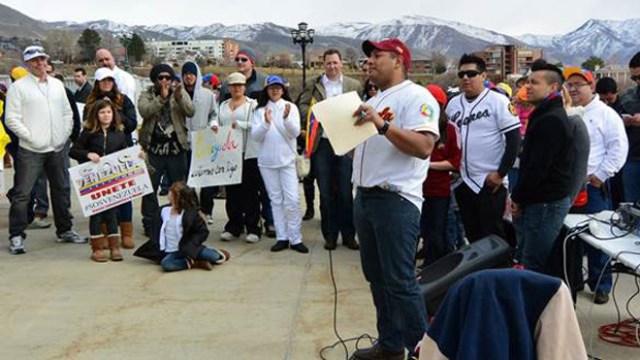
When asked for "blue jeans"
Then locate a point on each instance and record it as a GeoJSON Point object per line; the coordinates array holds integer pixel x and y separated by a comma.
{"type": "Point", "coordinates": [388, 225]}
{"type": "Point", "coordinates": [537, 230]}
{"type": "Point", "coordinates": [631, 181]}
{"type": "Point", "coordinates": [28, 167]}
{"type": "Point", "coordinates": [174, 167]}
{"type": "Point", "coordinates": [597, 260]}
{"type": "Point", "coordinates": [455, 229]}
{"type": "Point", "coordinates": [124, 212]}
{"type": "Point", "coordinates": [336, 192]}
{"type": "Point", "coordinates": [39, 201]}
{"type": "Point", "coordinates": [175, 261]}
{"type": "Point", "coordinates": [433, 228]}
{"type": "Point", "coordinates": [108, 218]}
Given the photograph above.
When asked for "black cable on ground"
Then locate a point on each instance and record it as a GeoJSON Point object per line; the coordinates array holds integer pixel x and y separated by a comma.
{"type": "Point", "coordinates": [340, 341]}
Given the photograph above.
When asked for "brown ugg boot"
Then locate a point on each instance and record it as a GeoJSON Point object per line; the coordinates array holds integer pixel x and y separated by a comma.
{"type": "Point", "coordinates": [97, 254]}
{"type": "Point", "coordinates": [114, 247]}
{"type": "Point", "coordinates": [126, 233]}
{"type": "Point", "coordinates": [200, 264]}
{"type": "Point", "coordinates": [103, 230]}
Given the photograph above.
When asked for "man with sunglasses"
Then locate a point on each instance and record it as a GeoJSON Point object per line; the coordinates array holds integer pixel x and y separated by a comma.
{"type": "Point", "coordinates": [607, 155]}
{"type": "Point", "coordinates": [245, 64]}
{"type": "Point", "coordinates": [38, 112]}
{"type": "Point", "coordinates": [490, 139]}
{"type": "Point", "coordinates": [630, 103]}
{"type": "Point", "coordinates": [164, 107]}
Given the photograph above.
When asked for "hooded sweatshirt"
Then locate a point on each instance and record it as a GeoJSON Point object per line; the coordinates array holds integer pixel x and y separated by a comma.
{"type": "Point", "coordinates": [204, 103]}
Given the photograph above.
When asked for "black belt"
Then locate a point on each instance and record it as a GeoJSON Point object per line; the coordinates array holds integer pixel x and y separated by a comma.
{"type": "Point", "coordinates": [373, 190]}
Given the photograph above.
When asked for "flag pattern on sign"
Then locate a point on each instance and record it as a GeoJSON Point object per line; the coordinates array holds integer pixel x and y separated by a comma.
{"type": "Point", "coordinates": [312, 129]}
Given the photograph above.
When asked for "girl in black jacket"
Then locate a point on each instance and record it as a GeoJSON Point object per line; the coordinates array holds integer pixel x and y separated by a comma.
{"type": "Point", "coordinates": [104, 88]}
{"type": "Point", "coordinates": [102, 135]}
{"type": "Point", "coordinates": [178, 232]}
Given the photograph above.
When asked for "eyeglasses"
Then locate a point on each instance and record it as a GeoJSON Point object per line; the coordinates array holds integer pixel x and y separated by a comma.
{"type": "Point", "coordinates": [469, 73]}
{"type": "Point", "coordinates": [575, 85]}
{"type": "Point", "coordinates": [164, 77]}
{"type": "Point", "coordinates": [635, 77]}
{"type": "Point", "coordinates": [241, 59]}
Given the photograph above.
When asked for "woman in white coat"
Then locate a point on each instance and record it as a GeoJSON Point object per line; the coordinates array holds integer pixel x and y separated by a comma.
{"type": "Point", "coordinates": [276, 124]}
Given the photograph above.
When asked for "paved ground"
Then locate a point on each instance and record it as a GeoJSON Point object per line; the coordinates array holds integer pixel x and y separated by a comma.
{"type": "Point", "coordinates": [60, 305]}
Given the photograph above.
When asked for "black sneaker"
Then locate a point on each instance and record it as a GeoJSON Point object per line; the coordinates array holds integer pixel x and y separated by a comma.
{"type": "Point", "coordinates": [301, 248]}
{"type": "Point", "coordinates": [309, 214]}
{"type": "Point", "coordinates": [351, 243]}
{"type": "Point", "coordinates": [270, 231]}
{"type": "Point", "coordinates": [601, 298]}
{"type": "Point", "coordinates": [377, 353]}
{"type": "Point", "coordinates": [280, 245]}
{"type": "Point", "coordinates": [330, 244]}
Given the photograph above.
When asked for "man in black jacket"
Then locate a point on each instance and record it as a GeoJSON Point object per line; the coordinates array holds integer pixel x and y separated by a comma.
{"type": "Point", "coordinates": [541, 198]}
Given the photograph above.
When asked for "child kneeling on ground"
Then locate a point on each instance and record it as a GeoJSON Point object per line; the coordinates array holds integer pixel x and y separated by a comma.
{"type": "Point", "coordinates": [178, 232]}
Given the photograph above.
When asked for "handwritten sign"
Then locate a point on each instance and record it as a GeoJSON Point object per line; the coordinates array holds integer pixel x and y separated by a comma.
{"type": "Point", "coordinates": [117, 179]}
{"type": "Point", "coordinates": [216, 158]}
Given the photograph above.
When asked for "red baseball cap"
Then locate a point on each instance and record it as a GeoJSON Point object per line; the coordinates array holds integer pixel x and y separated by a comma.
{"type": "Point", "coordinates": [438, 94]}
{"type": "Point", "coordinates": [393, 45]}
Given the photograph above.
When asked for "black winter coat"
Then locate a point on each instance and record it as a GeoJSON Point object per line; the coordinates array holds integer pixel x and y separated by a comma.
{"type": "Point", "coordinates": [128, 115]}
{"type": "Point", "coordinates": [96, 142]}
{"type": "Point", "coordinates": [194, 233]}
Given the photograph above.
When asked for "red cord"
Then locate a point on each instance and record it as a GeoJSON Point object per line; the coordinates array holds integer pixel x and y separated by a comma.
{"type": "Point", "coordinates": [623, 333]}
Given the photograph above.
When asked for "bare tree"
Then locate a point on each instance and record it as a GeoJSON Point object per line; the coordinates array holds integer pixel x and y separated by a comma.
{"type": "Point", "coordinates": [350, 56]}
{"type": "Point", "coordinates": [60, 44]}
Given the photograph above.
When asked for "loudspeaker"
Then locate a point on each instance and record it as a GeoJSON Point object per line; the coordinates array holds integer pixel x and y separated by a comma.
{"type": "Point", "coordinates": [435, 280]}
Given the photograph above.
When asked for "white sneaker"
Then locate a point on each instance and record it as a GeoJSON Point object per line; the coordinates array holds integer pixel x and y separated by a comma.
{"type": "Point", "coordinates": [16, 245]}
{"type": "Point", "coordinates": [227, 236]}
{"type": "Point", "coordinates": [252, 238]}
{"type": "Point", "coordinates": [209, 220]}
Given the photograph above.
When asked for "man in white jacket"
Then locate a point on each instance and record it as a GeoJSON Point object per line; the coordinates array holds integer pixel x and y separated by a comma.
{"type": "Point", "coordinates": [39, 113]}
{"type": "Point", "coordinates": [608, 153]}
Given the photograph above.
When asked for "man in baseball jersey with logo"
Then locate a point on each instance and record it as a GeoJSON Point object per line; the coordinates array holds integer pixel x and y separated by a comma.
{"type": "Point", "coordinates": [388, 171]}
{"type": "Point", "coordinates": [490, 138]}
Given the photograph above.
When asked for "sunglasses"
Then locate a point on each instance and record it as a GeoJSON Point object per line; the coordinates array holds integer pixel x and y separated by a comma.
{"type": "Point", "coordinates": [34, 51]}
{"type": "Point", "coordinates": [469, 73]}
{"type": "Point", "coordinates": [575, 85]}
{"type": "Point", "coordinates": [241, 59]}
{"type": "Point", "coordinates": [635, 78]}
{"type": "Point", "coordinates": [164, 77]}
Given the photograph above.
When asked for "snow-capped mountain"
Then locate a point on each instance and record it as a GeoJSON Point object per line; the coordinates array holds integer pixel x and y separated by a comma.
{"type": "Point", "coordinates": [614, 41]}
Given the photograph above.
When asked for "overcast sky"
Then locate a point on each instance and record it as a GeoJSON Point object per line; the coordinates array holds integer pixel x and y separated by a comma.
{"type": "Point", "coordinates": [512, 17]}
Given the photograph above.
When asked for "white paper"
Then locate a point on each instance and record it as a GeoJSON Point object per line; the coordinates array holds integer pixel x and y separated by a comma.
{"type": "Point", "coordinates": [117, 179]}
{"type": "Point", "coordinates": [336, 116]}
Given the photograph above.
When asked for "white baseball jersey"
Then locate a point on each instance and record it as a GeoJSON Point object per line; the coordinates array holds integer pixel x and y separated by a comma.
{"type": "Point", "coordinates": [377, 162]}
{"type": "Point", "coordinates": [481, 125]}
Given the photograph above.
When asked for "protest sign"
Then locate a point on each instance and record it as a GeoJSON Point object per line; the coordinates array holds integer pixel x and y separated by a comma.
{"type": "Point", "coordinates": [118, 178]}
{"type": "Point", "coordinates": [216, 158]}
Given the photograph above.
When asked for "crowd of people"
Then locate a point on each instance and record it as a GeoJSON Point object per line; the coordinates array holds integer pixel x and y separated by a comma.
{"type": "Point", "coordinates": [490, 159]}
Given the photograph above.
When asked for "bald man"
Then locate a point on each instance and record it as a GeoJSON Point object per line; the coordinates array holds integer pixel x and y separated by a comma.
{"type": "Point", "coordinates": [125, 82]}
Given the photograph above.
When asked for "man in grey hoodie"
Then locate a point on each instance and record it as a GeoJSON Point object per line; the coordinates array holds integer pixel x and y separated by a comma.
{"type": "Point", "coordinates": [205, 116]}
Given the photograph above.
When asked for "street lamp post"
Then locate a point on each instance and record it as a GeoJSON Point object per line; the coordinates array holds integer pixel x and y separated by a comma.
{"type": "Point", "coordinates": [303, 36]}
{"type": "Point", "coordinates": [125, 40]}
